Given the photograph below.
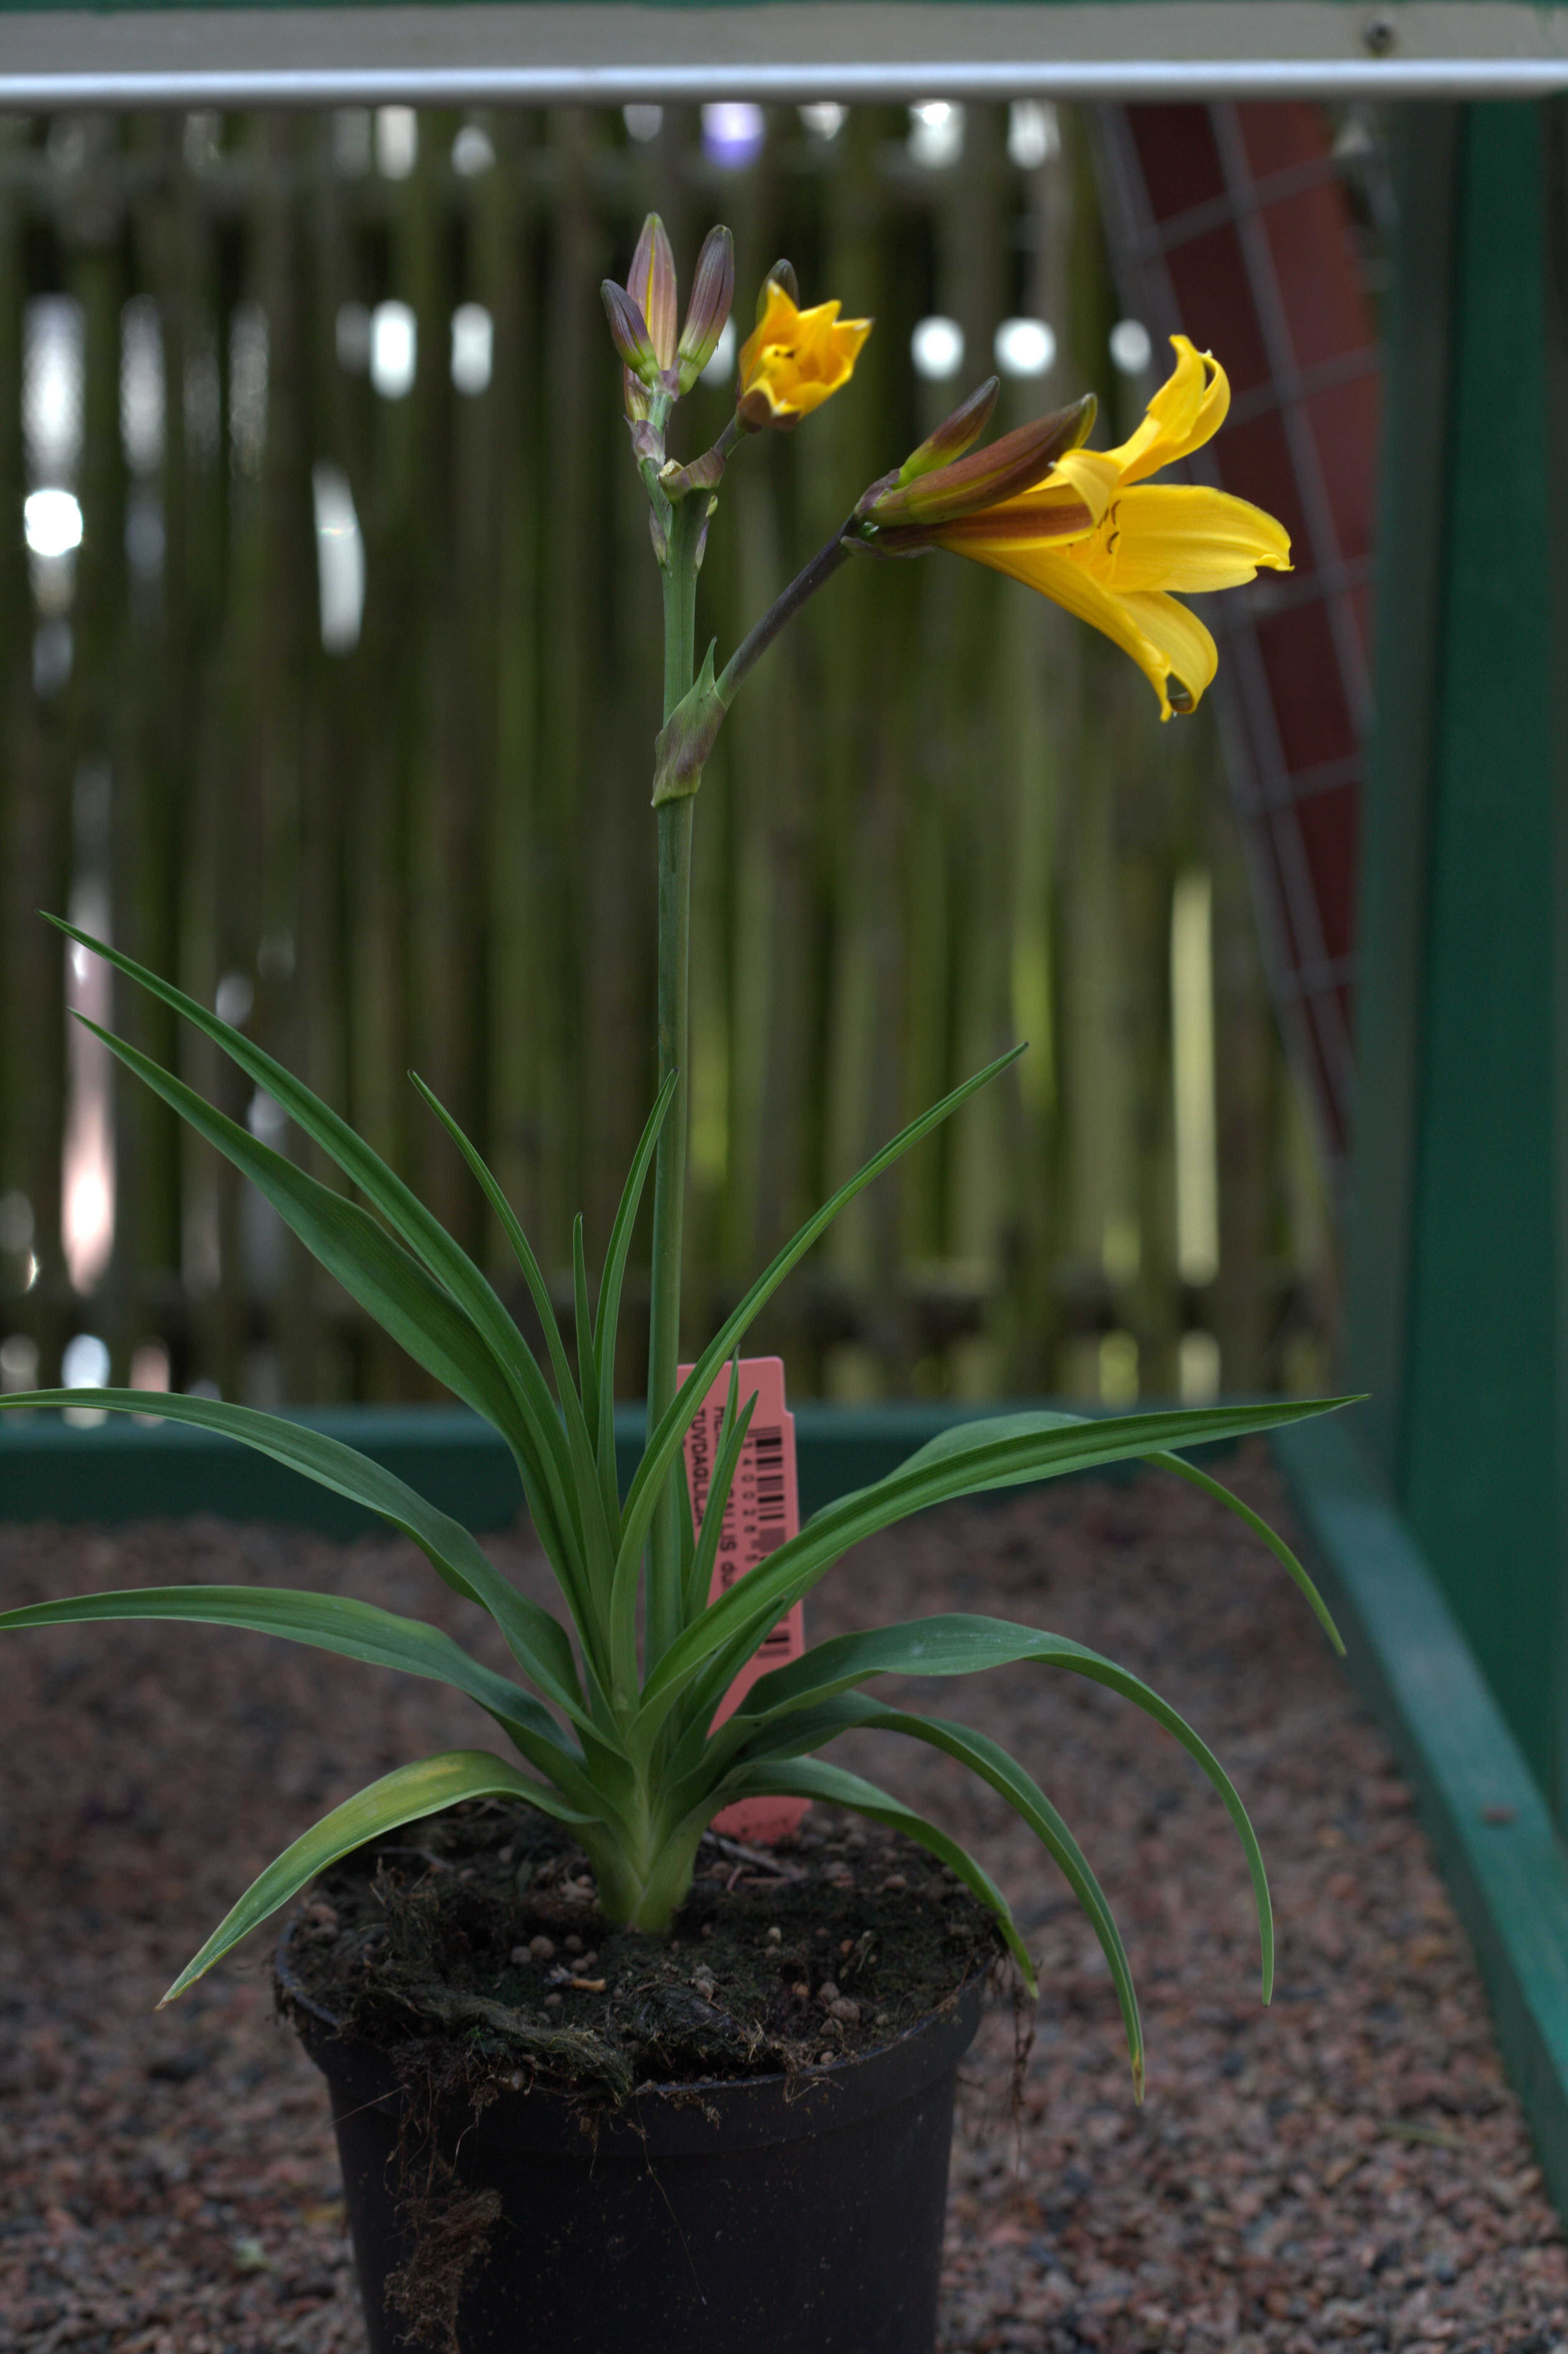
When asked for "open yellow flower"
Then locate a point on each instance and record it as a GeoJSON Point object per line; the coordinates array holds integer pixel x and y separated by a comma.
{"type": "Point", "coordinates": [1095, 536]}
{"type": "Point", "coordinates": [794, 359]}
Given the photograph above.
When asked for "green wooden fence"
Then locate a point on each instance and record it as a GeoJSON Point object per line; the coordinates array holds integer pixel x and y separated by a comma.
{"type": "Point", "coordinates": [942, 816]}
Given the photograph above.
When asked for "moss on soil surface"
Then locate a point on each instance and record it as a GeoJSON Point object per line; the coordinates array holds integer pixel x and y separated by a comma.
{"type": "Point", "coordinates": [481, 1924]}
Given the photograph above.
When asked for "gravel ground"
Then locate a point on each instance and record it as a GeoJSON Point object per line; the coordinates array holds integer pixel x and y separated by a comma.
{"type": "Point", "coordinates": [1349, 2168]}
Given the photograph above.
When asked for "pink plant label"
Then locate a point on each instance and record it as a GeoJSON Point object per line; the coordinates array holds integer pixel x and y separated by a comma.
{"type": "Point", "coordinates": [762, 1509]}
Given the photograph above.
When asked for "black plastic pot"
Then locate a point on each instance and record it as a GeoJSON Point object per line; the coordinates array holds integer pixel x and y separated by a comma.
{"type": "Point", "coordinates": [767, 2216]}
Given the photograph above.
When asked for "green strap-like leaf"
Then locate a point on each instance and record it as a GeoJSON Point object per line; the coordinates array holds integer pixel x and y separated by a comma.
{"type": "Point", "coordinates": [610, 1288]}
{"type": "Point", "coordinates": [812, 1777]}
{"type": "Point", "coordinates": [1260, 1528]}
{"type": "Point", "coordinates": [340, 1623]}
{"type": "Point", "coordinates": [811, 1728]}
{"type": "Point", "coordinates": [353, 1248]}
{"type": "Point", "coordinates": [964, 1462]}
{"type": "Point", "coordinates": [596, 1535]}
{"type": "Point", "coordinates": [538, 1642]}
{"type": "Point", "coordinates": [391, 1285]}
{"type": "Point", "coordinates": [959, 1644]}
{"type": "Point", "coordinates": [587, 1355]}
{"type": "Point", "coordinates": [699, 1577]}
{"type": "Point", "coordinates": [407, 1216]}
{"type": "Point", "coordinates": [664, 1443]}
{"type": "Point", "coordinates": [399, 1798]}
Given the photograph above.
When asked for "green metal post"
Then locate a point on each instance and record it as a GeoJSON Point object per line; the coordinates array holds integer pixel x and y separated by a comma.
{"type": "Point", "coordinates": [1456, 1268]}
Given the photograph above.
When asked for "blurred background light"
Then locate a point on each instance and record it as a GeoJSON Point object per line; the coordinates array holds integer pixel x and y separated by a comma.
{"type": "Point", "coordinates": [1033, 135]}
{"type": "Point", "coordinates": [394, 349]}
{"type": "Point", "coordinates": [937, 132]}
{"type": "Point", "coordinates": [734, 132]}
{"type": "Point", "coordinates": [1025, 347]}
{"type": "Point", "coordinates": [473, 347]}
{"type": "Point", "coordinates": [937, 348]}
{"type": "Point", "coordinates": [1131, 349]}
{"type": "Point", "coordinates": [340, 568]}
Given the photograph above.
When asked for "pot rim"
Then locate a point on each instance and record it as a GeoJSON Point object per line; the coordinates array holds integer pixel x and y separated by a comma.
{"type": "Point", "coordinates": [680, 2093]}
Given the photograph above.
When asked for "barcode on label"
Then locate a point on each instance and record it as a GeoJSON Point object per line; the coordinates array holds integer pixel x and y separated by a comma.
{"type": "Point", "coordinates": [770, 1491]}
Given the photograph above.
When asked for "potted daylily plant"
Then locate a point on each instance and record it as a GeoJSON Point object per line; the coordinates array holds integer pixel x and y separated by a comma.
{"type": "Point", "coordinates": [519, 2172]}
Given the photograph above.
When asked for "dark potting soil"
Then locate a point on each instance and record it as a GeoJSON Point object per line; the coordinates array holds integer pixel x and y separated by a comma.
{"type": "Point", "coordinates": [1348, 2170]}
{"type": "Point", "coordinates": [475, 1937]}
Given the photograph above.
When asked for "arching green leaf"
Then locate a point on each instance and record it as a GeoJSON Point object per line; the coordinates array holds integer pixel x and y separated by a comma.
{"type": "Point", "coordinates": [398, 1797]}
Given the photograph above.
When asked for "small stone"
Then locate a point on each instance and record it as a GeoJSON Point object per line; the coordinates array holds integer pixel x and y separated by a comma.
{"type": "Point", "coordinates": [542, 1949]}
{"type": "Point", "coordinates": [552, 2002]}
{"type": "Point", "coordinates": [707, 1928]}
{"type": "Point", "coordinates": [845, 2009]}
{"type": "Point", "coordinates": [847, 1945]}
{"type": "Point", "coordinates": [587, 1963]}
{"type": "Point", "coordinates": [893, 1881]}
{"type": "Point", "coordinates": [574, 1943]}
{"type": "Point", "coordinates": [776, 1937]}
{"type": "Point", "coordinates": [827, 1994]}
{"type": "Point", "coordinates": [321, 1917]}
{"type": "Point", "coordinates": [819, 1933]}
{"type": "Point", "coordinates": [800, 1990]}
{"type": "Point", "coordinates": [503, 1855]}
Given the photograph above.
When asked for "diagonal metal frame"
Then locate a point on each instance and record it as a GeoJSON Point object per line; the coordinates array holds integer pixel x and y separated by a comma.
{"type": "Point", "coordinates": [1310, 983]}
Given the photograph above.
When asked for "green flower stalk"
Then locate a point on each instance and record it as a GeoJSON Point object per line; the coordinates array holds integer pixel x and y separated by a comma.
{"type": "Point", "coordinates": [608, 1712]}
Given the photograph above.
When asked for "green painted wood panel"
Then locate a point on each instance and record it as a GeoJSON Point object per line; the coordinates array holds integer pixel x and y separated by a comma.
{"type": "Point", "coordinates": [1478, 1471]}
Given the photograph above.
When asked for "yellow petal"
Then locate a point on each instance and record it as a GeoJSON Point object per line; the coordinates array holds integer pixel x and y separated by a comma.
{"type": "Point", "coordinates": [1189, 408]}
{"type": "Point", "coordinates": [1093, 475]}
{"type": "Point", "coordinates": [1189, 649]}
{"type": "Point", "coordinates": [777, 326]}
{"type": "Point", "coordinates": [796, 359]}
{"type": "Point", "coordinates": [1070, 584]}
{"type": "Point", "coordinates": [1168, 536]}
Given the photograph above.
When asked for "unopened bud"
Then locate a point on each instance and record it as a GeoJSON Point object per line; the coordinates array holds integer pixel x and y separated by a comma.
{"type": "Point", "coordinates": [782, 274]}
{"type": "Point", "coordinates": [651, 282]}
{"type": "Point", "coordinates": [629, 331]}
{"type": "Point", "coordinates": [1017, 462]}
{"type": "Point", "coordinates": [687, 737]}
{"type": "Point", "coordinates": [954, 435]}
{"type": "Point", "coordinates": [713, 291]}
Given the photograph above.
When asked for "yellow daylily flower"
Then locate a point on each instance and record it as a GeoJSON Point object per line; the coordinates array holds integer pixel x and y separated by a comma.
{"type": "Point", "coordinates": [1096, 537]}
{"type": "Point", "coordinates": [794, 360]}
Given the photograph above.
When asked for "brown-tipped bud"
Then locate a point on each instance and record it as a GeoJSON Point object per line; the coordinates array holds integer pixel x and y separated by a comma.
{"type": "Point", "coordinates": [987, 476]}
{"type": "Point", "coordinates": [629, 331]}
{"type": "Point", "coordinates": [713, 291]}
{"type": "Point", "coordinates": [954, 435]}
{"type": "Point", "coordinates": [651, 282]}
{"type": "Point", "coordinates": [781, 274]}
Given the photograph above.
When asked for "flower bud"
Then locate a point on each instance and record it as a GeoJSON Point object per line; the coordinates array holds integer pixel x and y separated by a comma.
{"type": "Point", "coordinates": [702, 474]}
{"type": "Point", "coordinates": [686, 738]}
{"type": "Point", "coordinates": [1017, 462]}
{"type": "Point", "coordinates": [629, 331]}
{"type": "Point", "coordinates": [713, 290]}
{"type": "Point", "coordinates": [651, 282]}
{"type": "Point", "coordinates": [781, 274]}
{"type": "Point", "coordinates": [954, 435]}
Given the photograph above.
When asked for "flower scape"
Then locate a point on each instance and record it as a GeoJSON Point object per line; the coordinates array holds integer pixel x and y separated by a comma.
{"type": "Point", "coordinates": [609, 1716]}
